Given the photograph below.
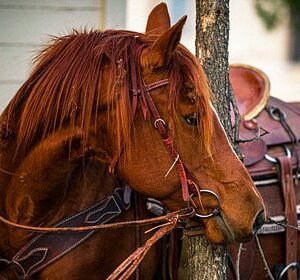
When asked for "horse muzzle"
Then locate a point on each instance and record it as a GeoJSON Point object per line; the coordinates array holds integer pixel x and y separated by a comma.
{"type": "Point", "coordinates": [219, 228]}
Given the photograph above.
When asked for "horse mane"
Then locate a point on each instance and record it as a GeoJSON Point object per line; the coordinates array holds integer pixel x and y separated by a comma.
{"type": "Point", "coordinates": [65, 88]}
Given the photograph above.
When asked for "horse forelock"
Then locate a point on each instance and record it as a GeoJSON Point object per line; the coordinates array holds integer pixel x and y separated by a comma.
{"type": "Point", "coordinates": [70, 82]}
{"type": "Point", "coordinates": [187, 74]}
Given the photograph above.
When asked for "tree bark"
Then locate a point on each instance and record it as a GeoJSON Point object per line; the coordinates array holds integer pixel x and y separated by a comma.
{"type": "Point", "coordinates": [212, 36]}
{"type": "Point", "coordinates": [207, 261]}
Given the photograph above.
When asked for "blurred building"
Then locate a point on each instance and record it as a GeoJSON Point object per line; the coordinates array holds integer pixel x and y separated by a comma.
{"type": "Point", "coordinates": [25, 25]}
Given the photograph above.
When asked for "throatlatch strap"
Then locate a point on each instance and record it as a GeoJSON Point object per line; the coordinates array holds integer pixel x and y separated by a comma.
{"type": "Point", "coordinates": [286, 174]}
{"type": "Point", "coordinates": [46, 248]}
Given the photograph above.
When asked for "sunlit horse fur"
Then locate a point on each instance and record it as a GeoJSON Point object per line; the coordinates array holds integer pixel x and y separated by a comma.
{"type": "Point", "coordinates": [63, 127]}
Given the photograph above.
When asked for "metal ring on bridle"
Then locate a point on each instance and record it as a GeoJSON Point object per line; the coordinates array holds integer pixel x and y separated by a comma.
{"type": "Point", "coordinates": [275, 113]}
{"type": "Point", "coordinates": [215, 211]}
{"type": "Point", "coordinates": [274, 160]}
{"type": "Point", "coordinates": [159, 120]}
{"type": "Point", "coordinates": [290, 265]}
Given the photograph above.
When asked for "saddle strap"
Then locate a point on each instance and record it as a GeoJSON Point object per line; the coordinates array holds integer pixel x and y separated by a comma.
{"type": "Point", "coordinates": [286, 174]}
{"type": "Point", "coordinates": [44, 249]}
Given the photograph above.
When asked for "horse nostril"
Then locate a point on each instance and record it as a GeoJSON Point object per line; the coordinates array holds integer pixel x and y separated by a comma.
{"type": "Point", "coordinates": [259, 221]}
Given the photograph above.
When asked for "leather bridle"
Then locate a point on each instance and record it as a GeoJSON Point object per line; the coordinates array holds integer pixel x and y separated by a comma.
{"type": "Point", "coordinates": [141, 92]}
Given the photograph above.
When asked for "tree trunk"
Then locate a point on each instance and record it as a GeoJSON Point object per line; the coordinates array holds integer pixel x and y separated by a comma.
{"type": "Point", "coordinates": [207, 261]}
{"type": "Point", "coordinates": [212, 35]}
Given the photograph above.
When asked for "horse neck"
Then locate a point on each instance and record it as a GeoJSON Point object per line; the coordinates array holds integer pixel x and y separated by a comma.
{"type": "Point", "coordinates": [85, 186]}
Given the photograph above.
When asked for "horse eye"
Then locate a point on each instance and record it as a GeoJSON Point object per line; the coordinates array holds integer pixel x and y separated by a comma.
{"type": "Point", "coordinates": [191, 120]}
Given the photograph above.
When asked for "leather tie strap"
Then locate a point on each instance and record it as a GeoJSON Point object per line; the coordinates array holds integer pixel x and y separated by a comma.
{"type": "Point", "coordinates": [286, 175]}
{"type": "Point", "coordinates": [127, 267]}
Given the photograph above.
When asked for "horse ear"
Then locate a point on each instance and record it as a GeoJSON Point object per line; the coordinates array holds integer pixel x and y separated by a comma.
{"type": "Point", "coordinates": [160, 52]}
{"type": "Point", "coordinates": [158, 20]}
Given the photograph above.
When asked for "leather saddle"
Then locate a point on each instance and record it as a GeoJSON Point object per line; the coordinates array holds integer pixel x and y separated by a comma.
{"type": "Point", "coordinates": [269, 135]}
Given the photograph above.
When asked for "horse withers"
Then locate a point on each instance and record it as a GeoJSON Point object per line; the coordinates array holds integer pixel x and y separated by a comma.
{"type": "Point", "coordinates": [105, 110]}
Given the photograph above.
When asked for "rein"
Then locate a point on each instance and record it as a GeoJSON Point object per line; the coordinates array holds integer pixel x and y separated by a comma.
{"type": "Point", "coordinates": [179, 215]}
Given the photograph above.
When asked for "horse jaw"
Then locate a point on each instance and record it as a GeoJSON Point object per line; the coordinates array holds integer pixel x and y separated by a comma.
{"type": "Point", "coordinates": [234, 222]}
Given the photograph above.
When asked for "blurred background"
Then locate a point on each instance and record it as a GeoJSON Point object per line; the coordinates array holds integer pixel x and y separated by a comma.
{"type": "Point", "coordinates": [25, 26]}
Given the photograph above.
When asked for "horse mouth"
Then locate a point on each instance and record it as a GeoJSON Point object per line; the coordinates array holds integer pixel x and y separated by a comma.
{"type": "Point", "coordinates": [216, 230]}
{"type": "Point", "coordinates": [231, 236]}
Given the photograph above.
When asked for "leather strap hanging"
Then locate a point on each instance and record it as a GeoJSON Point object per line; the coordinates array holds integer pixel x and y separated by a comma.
{"type": "Point", "coordinates": [286, 176]}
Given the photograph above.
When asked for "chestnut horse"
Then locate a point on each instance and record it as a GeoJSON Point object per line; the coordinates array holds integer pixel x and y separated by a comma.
{"type": "Point", "coordinates": [82, 125]}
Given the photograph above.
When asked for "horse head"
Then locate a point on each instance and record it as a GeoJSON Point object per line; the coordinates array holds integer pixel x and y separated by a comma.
{"type": "Point", "coordinates": [198, 136]}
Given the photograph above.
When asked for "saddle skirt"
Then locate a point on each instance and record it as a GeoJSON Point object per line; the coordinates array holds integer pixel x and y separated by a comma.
{"type": "Point", "coordinates": [270, 134]}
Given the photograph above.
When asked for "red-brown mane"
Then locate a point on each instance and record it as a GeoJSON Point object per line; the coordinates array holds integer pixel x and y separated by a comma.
{"type": "Point", "coordinates": [65, 89]}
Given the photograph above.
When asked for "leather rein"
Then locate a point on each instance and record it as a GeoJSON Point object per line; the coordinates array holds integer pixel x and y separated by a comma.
{"type": "Point", "coordinates": [37, 254]}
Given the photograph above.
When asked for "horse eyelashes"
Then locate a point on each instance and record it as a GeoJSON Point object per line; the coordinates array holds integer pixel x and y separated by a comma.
{"type": "Point", "coordinates": [191, 120]}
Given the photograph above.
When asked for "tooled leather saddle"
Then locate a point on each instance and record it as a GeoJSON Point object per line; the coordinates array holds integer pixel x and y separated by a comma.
{"type": "Point", "coordinates": [270, 134]}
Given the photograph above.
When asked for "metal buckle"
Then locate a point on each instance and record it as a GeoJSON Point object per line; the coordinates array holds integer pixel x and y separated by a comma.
{"type": "Point", "coordinates": [159, 120]}
{"type": "Point", "coordinates": [276, 114]}
{"type": "Point", "coordinates": [274, 160]}
{"type": "Point", "coordinates": [215, 211]}
{"type": "Point", "coordinates": [156, 207]}
{"type": "Point", "coordinates": [290, 265]}
{"type": "Point", "coordinates": [124, 196]}
{"type": "Point", "coordinates": [135, 92]}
